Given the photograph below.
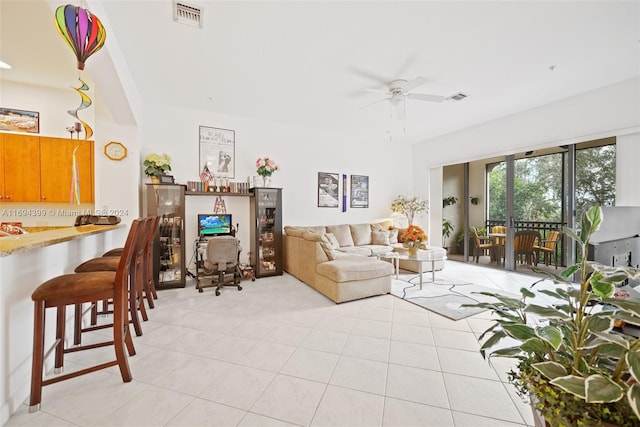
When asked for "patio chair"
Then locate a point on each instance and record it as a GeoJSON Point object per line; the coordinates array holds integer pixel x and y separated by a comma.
{"type": "Point", "coordinates": [483, 244]}
{"type": "Point", "coordinates": [523, 246]}
{"type": "Point", "coordinates": [548, 247]}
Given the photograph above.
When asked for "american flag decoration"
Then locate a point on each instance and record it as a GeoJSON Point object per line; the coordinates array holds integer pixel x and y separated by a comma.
{"type": "Point", "coordinates": [205, 175]}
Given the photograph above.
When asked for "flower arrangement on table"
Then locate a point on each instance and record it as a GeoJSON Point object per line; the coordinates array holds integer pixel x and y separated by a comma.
{"type": "Point", "coordinates": [265, 168]}
{"type": "Point", "coordinates": [156, 165]}
{"type": "Point", "coordinates": [413, 238]}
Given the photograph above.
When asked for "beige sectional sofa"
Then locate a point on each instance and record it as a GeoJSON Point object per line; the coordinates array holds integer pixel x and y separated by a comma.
{"type": "Point", "coordinates": [339, 260]}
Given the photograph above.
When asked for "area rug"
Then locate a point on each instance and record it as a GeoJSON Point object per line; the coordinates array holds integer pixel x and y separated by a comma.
{"type": "Point", "coordinates": [445, 296]}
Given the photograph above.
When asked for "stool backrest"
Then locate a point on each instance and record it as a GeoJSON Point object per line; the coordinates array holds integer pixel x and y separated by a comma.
{"type": "Point", "coordinates": [134, 245]}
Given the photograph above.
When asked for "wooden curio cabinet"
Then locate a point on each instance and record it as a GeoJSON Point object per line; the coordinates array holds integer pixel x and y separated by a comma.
{"type": "Point", "coordinates": [266, 231]}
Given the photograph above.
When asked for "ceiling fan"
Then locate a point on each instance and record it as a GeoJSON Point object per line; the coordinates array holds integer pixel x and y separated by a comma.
{"type": "Point", "coordinates": [399, 90]}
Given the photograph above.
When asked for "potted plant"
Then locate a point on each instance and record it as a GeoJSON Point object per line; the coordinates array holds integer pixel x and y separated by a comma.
{"type": "Point", "coordinates": [409, 206]}
{"type": "Point", "coordinates": [447, 228]}
{"type": "Point", "coordinates": [574, 361]}
{"type": "Point", "coordinates": [156, 165]}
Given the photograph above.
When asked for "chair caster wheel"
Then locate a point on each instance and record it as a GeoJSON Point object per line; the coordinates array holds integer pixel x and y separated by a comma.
{"type": "Point", "coordinates": [217, 293]}
{"type": "Point", "coordinates": [200, 290]}
{"type": "Point", "coordinates": [239, 288]}
{"type": "Point", "coordinates": [253, 279]}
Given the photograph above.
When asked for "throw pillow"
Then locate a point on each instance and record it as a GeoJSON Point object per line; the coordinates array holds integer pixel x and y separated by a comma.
{"type": "Point", "coordinates": [379, 237]}
{"type": "Point", "coordinates": [332, 241]}
{"type": "Point", "coordinates": [361, 234]}
{"type": "Point", "coordinates": [328, 251]}
{"type": "Point", "coordinates": [393, 236]}
{"type": "Point", "coordinates": [342, 233]}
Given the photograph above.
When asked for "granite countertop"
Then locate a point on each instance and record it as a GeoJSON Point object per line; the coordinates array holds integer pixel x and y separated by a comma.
{"type": "Point", "coordinates": [20, 243]}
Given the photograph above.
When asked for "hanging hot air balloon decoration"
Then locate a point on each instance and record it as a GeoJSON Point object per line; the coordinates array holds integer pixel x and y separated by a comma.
{"type": "Point", "coordinates": [85, 35]}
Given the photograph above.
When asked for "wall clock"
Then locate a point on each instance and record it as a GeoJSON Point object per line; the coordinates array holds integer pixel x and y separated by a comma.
{"type": "Point", "coordinates": [115, 150]}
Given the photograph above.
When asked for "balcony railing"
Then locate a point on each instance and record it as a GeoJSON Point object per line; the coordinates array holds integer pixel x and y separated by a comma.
{"type": "Point", "coordinates": [543, 227]}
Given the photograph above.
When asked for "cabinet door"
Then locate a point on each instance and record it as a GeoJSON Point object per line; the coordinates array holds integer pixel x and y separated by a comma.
{"type": "Point", "coordinates": [21, 168]}
{"type": "Point", "coordinates": [57, 169]}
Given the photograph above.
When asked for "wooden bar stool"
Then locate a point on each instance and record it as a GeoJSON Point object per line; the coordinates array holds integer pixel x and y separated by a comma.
{"type": "Point", "coordinates": [78, 288]}
{"type": "Point", "coordinates": [137, 293]}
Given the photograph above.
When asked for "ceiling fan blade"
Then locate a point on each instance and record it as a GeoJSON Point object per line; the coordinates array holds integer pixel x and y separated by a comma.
{"type": "Point", "coordinates": [426, 97]}
{"type": "Point", "coordinates": [373, 90]}
{"type": "Point", "coordinates": [418, 81]}
{"type": "Point", "coordinates": [374, 103]}
{"type": "Point", "coordinates": [369, 75]}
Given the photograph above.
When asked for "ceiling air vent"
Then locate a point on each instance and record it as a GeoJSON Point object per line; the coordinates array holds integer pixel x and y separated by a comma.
{"type": "Point", "coordinates": [458, 96]}
{"type": "Point", "coordinates": [186, 14]}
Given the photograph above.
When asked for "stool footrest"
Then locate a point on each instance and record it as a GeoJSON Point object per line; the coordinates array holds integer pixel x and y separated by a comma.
{"type": "Point", "coordinates": [78, 373]}
{"type": "Point", "coordinates": [88, 346]}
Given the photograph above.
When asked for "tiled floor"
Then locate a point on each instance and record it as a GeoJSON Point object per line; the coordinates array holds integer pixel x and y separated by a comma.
{"type": "Point", "coordinates": [279, 353]}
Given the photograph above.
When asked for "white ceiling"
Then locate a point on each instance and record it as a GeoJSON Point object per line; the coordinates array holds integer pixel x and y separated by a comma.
{"type": "Point", "coordinates": [307, 63]}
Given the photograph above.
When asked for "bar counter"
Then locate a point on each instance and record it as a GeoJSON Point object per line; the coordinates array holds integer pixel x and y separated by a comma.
{"type": "Point", "coordinates": [20, 243]}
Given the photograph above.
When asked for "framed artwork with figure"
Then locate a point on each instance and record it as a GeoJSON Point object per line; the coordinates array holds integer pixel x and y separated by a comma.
{"type": "Point", "coordinates": [328, 190]}
{"type": "Point", "coordinates": [217, 151]}
{"type": "Point", "coordinates": [359, 191]}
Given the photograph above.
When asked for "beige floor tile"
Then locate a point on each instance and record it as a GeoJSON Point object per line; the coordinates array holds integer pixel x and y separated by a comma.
{"type": "Point", "coordinates": [372, 328]}
{"type": "Point", "coordinates": [415, 355]}
{"type": "Point", "coordinates": [400, 413]}
{"type": "Point", "coordinates": [332, 342]}
{"type": "Point", "coordinates": [238, 386]}
{"type": "Point", "coordinates": [344, 407]}
{"type": "Point", "coordinates": [360, 374]}
{"type": "Point", "coordinates": [311, 365]}
{"type": "Point", "coordinates": [267, 356]}
{"type": "Point", "coordinates": [479, 396]}
{"type": "Point", "coordinates": [411, 333]}
{"type": "Point", "coordinates": [290, 399]}
{"type": "Point", "coordinates": [201, 412]}
{"type": "Point", "coordinates": [469, 420]}
{"type": "Point", "coordinates": [192, 376]}
{"type": "Point", "coordinates": [335, 323]}
{"type": "Point", "coordinates": [367, 348]}
{"type": "Point", "coordinates": [256, 420]}
{"type": "Point", "coordinates": [464, 362]}
{"type": "Point", "coordinates": [417, 385]}
{"type": "Point", "coordinates": [287, 334]}
{"type": "Point", "coordinates": [460, 340]}
{"type": "Point", "coordinates": [412, 317]}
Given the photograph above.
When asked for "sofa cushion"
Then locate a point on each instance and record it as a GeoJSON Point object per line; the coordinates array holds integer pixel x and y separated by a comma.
{"type": "Point", "coordinates": [293, 231]}
{"type": "Point", "coordinates": [311, 236]}
{"type": "Point", "coordinates": [342, 233]}
{"type": "Point", "coordinates": [380, 237]}
{"type": "Point", "coordinates": [355, 250]}
{"type": "Point", "coordinates": [349, 269]}
{"type": "Point", "coordinates": [333, 242]}
{"type": "Point", "coordinates": [361, 234]}
{"type": "Point", "coordinates": [328, 250]}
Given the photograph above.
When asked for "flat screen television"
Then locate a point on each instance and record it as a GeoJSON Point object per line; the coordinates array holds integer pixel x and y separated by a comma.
{"type": "Point", "coordinates": [214, 225]}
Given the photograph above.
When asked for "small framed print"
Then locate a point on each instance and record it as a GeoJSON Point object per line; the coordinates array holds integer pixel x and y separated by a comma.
{"type": "Point", "coordinates": [166, 179]}
{"type": "Point", "coordinates": [328, 189]}
{"type": "Point", "coordinates": [19, 120]}
{"type": "Point", "coordinates": [359, 191]}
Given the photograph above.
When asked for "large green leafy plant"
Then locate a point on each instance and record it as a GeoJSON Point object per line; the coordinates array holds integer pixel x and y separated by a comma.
{"type": "Point", "coordinates": [581, 369]}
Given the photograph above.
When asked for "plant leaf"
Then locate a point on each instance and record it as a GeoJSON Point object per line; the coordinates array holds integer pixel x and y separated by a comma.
{"type": "Point", "coordinates": [601, 389]}
{"type": "Point", "coordinates": [600, 323]}
{"type": "Point", "coordinates": [546, 312]}
{"type": "Point", "coordinates": [550, 334]}
{"type": "Point", "coordinates": [519, 331]}
{"type": "Point", "coordinates": [550, 370]}
{"type": "Point", "coordinates": [506, 352]}
{"type": "Point", "coordinates": [627, 318]}
{"type": "Point", "coordinates": [631, 305]}
{"type": "Point", "coordinates": [633, 360]}
{"type": "Point", "coordinates": [614, 339]}
{"type": "Point", "coordinates": [602, 288]}
{"type": "Point", "coordinates": [534, 345]}
{"type": "Point", "coordinates": [569, 232]}
{"type": "Point", "coordinates": [633, 395]}
{"type": "Point", "coordinates": [571, 384]}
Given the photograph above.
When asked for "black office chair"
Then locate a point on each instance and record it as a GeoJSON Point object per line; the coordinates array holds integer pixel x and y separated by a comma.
{"type": "Point", "coordinates": [221, 267]}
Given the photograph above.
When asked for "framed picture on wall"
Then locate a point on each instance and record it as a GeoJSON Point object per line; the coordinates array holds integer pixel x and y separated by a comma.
{"type": "Point", "coordinates": [359, 191]}
{"type": "Point", "coordinates": [218, 151]}
{"type": "Point", "coordinates": [328, 190]}
{"type": "Point", "coordinates": [19, 120]}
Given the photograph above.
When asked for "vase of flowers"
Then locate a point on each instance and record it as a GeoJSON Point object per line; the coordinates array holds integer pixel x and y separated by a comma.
{"type": "Point", "coordinates": [413, 239]}
{"type": "Point", "coordinates": [265, 168]}
{"type": "Point", "coordinates": [156, 165]}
